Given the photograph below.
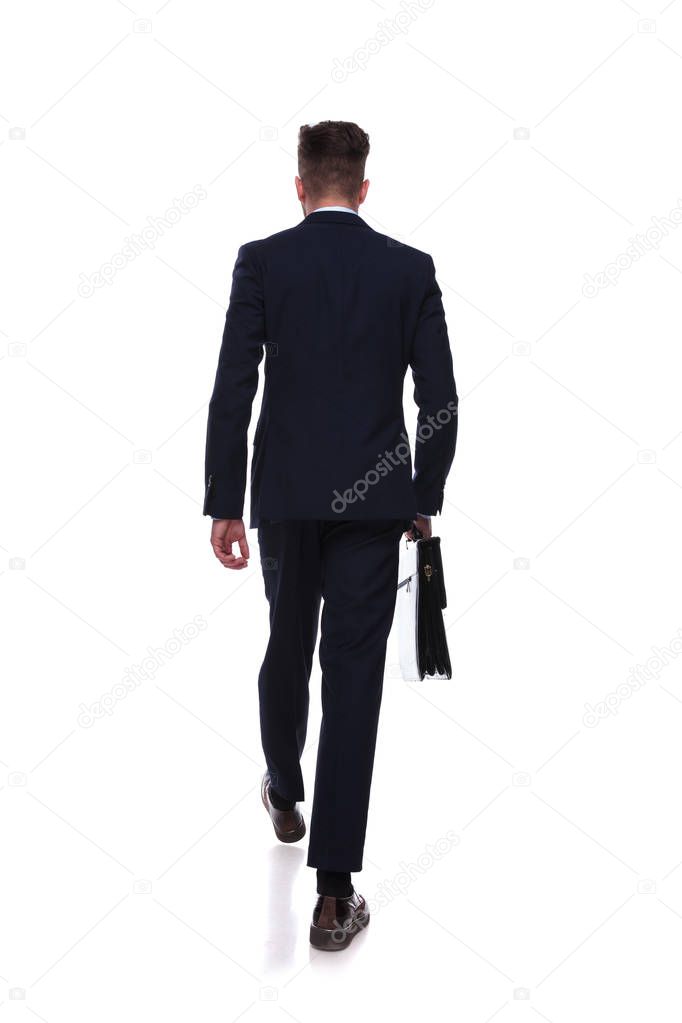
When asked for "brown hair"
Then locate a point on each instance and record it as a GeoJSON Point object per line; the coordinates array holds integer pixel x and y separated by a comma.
{"type": "Point", "coordinates": [331, 158]}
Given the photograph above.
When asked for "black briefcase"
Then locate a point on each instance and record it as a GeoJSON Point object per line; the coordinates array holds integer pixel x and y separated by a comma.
{"type": "Point", "coordinates": [422, 641]}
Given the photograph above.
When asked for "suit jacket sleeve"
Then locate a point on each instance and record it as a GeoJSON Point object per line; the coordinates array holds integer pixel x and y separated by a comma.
{"type": "Point", "coordinates": [436, 395]}
{"type": "Point", "coordinates": [236, 383]}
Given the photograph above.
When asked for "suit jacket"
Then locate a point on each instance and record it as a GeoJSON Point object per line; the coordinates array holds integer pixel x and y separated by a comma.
{"type": "Point", "coordinates": [338, 312]}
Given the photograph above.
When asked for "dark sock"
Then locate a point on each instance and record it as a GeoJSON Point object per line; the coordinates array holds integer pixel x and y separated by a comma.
{"type": "Point", "coordinates": [279, 802]}
{"type": "Point", "coordinates": [334, 882]}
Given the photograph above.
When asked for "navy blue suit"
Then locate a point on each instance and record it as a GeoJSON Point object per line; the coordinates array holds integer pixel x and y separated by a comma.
{"type": "Point", "coordinates": [339, 312]}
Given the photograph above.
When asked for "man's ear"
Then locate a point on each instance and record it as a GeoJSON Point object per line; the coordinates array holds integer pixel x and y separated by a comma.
{"type": "Point", "coordinates": [364, 188]}
{"type": "Point", "coordinates": [300, 190]}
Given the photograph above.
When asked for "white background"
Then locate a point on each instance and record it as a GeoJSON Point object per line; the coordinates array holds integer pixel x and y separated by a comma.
{"type": "Point", "coordinates": [141, 878]}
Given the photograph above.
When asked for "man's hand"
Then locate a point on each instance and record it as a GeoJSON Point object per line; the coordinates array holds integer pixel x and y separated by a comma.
{"type": "Point", "coordinates": [423, 525]}
{"type": "Point", "coordinates": [224, 533]}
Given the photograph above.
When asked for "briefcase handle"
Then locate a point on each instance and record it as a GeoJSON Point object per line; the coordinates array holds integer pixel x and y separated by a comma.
{"type": "Point", "coordinates": [416, 530]}
{"type": "Point", "coordinates": [433, 568]}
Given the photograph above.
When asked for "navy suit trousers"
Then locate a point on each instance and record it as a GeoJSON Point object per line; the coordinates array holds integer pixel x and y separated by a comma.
{"type": "Point", "coordinates": [351, 568]}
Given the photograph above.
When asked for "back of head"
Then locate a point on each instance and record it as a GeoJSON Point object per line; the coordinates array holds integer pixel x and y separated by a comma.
{"type": "Point", "coordinates": [331, 159]}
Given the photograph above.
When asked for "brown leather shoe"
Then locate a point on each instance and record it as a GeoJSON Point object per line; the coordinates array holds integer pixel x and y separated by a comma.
{"type": "Point", "coordinates": [337, 921]}
{"type": "Point", "coordinates": [288, 824]}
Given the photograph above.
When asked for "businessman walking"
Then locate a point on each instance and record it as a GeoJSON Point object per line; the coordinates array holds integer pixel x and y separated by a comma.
{"type": "Point", "coordinates": [338, 312]}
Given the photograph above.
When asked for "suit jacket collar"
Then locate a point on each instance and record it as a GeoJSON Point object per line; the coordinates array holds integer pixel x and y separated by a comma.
{"type": "Point", "coordinates": [335, 217]}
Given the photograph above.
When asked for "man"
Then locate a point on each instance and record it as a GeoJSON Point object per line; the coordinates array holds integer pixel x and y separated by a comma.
{"type": "Point", "coordinates": [339, 312]}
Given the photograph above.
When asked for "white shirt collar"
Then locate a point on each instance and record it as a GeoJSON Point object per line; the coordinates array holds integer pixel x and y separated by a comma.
{"type": "Point", "coordinates": [341, 209]}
